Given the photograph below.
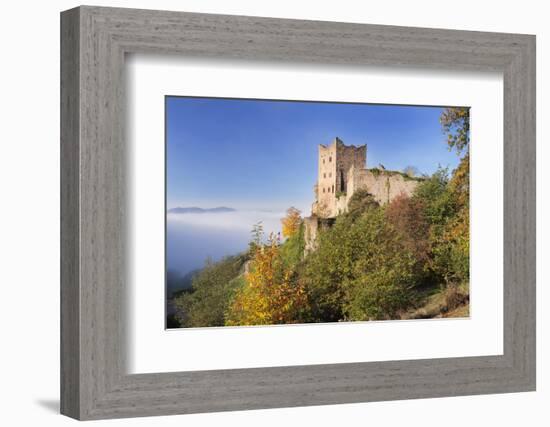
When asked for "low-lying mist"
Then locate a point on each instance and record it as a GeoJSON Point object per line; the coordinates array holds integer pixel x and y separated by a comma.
{"type": "Point", "coordinates": [193, 238]}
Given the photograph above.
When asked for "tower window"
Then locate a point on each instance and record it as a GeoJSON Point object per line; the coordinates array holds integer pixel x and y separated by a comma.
{"type": "Point", "coordinates": [330, 175]}
{"type": "Point", "coordinates": [333, 188]}
{"type": "Point", "coordinates": [323, 189]}
{"type": "Point", "coordinates": [324, 175]}
{"type": "Point", "coordinates": [330, 159]}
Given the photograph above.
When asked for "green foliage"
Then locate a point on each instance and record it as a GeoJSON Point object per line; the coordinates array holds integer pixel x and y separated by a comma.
{"type": "Point", "coordinates": [360, 270]}
{"type": "Point", "coordinates": [172, 322]}
{"type": "Point", "coordinates": [382, 277]}
{"type": "Point", "coordinates": [455, 122]}
{"type": "Point", "coordinates": [451, 241]}
{"type": "Point", "coordinates": [292, 250]}
{"type": "Point", "coordinates": [329, 267]}
{"type": "Point", "coordinates": [360, 202]}
{"type": "Point", "coordinates": [212, 290]}
{"type": "Point", "coordinates": [434, 195]}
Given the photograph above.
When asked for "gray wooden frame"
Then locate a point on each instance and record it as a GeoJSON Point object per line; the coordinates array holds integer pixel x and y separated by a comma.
{"type": "Point", "coordinates": [94, 41]}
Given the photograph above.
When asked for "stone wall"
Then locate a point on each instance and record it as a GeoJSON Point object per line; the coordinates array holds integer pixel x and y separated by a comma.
{"type": "Point", "coordinates": [348, 157]}
{"type": "Point", "coordinates": [383, 185]}
{"type": "Point", "coordinates": [334, 162]}
{"type": "Point", "coordinates": [341, 173]}
{"type": "Point", "coordinates": [311, 224]}
{"type": "Point", "coordinates": [326, 180]}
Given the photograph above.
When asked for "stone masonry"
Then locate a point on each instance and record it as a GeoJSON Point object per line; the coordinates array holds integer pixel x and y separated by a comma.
{"type": "Point", "coordinates": [341, 172]}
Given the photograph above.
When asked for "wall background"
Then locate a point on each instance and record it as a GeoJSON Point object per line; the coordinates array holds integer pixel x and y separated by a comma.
{"type": "Point", "coordinates": [29, 214]}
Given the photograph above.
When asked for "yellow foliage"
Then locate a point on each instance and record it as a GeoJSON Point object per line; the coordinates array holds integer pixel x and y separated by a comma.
{"type": "Point", "coordinates": [269, 295]}
{"type": "Point", "coordinates": [291, 223]}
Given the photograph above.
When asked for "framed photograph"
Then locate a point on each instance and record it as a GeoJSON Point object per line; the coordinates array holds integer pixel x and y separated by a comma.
{"type": "Point", "coordinates": [261, 213]}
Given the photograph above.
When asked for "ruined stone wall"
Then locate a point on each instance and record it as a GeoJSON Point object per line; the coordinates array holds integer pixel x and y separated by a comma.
{"type": "Point", "coordinates": [335, 160]}
{"type": "Point", "coordinates": [346, 158]}
{"type": "Point", "coordinates": [326, 182]}
{"type": "Point", "coordinates": [341, 173]}
{"type": "Point", "coordinates": [341, 204]}
{"type": "Point", "coordinates": [383, 185]}
{"type": "Point", "coordinates": [311, 224]}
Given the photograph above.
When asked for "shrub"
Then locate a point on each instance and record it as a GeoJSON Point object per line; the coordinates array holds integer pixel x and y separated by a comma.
{"type": "Point", "coordinates": [269, 293]}
{"type": "Point", "coordinates": [211, 292]}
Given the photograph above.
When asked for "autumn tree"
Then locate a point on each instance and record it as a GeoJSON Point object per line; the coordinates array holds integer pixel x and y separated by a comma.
{"type": "Point", "coordinates": [456, 235]}
{"type": "Point", "coordinates": [291, 222]}
{"type": "Point", "coordinates": [455, 123]}
{"type": "Point", "coordinates": [407, 216]}
{"type": "Point", "coordinates": [270, 294]}
{"type": "Point", "coordinates": [451, 239]}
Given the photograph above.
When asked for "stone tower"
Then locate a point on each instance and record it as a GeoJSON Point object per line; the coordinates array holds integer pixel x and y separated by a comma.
{"type": "Point", "coordinates": [335, 161]}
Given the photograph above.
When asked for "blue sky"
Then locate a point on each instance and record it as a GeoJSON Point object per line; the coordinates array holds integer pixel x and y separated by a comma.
{"type": "Point", "coordinates": [255, 154]}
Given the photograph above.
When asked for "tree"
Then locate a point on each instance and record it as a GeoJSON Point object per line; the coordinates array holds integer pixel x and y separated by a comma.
{"type": "Point", "coordinates": [454, 250]}
{"type": "Point", "coordinates": [361, 269]}
{"type": "Point", "coordinates": [211, 292]}
{"type": "Point", "coordinates": [291, 222]}
{"type": "Point", "coordinates": [450, 234]}
{"type": "Point", "coordinates": [411, 171]}
{"type": "Point", "coordinates": [383, 275]}
{"type": "Point", "coordinates": [435, 197]}
{"type": "Point", "coordinates": [407, 215]}
{"type": "Point", "coordinates": [292, 250]}
{"type": "Point", "coordinates": [360, 202]}
{"type": "Point", "coordinates": [270, 294]}
{"type": "Point", "coordinates": [257, 236]}
{"type": "Point", "coordinates": [455, 122]}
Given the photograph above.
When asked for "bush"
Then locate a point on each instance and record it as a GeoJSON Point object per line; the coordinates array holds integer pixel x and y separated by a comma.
{"type": "Point", "coordinates": [212, 289]}
{"type": "Point", "coordinates": [361, 269]}
{"type": "Point", "coordinates": [269, 293]}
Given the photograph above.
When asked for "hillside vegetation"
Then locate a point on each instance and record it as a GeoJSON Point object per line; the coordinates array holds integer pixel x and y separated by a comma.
{"type": "Point", "coordinates": [404, 260]}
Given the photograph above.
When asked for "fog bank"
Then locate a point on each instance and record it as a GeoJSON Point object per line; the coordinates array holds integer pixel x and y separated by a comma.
{"type": "Point", "coordinates": [193, 238]}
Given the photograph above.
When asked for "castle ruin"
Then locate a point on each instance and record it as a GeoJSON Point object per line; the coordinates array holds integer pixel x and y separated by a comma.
{"type": "Point", "coordinates": [341, 172]}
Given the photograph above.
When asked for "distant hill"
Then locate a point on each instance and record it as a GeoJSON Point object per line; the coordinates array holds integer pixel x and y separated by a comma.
{"type": "Point", "coordinates": [194, 209]}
